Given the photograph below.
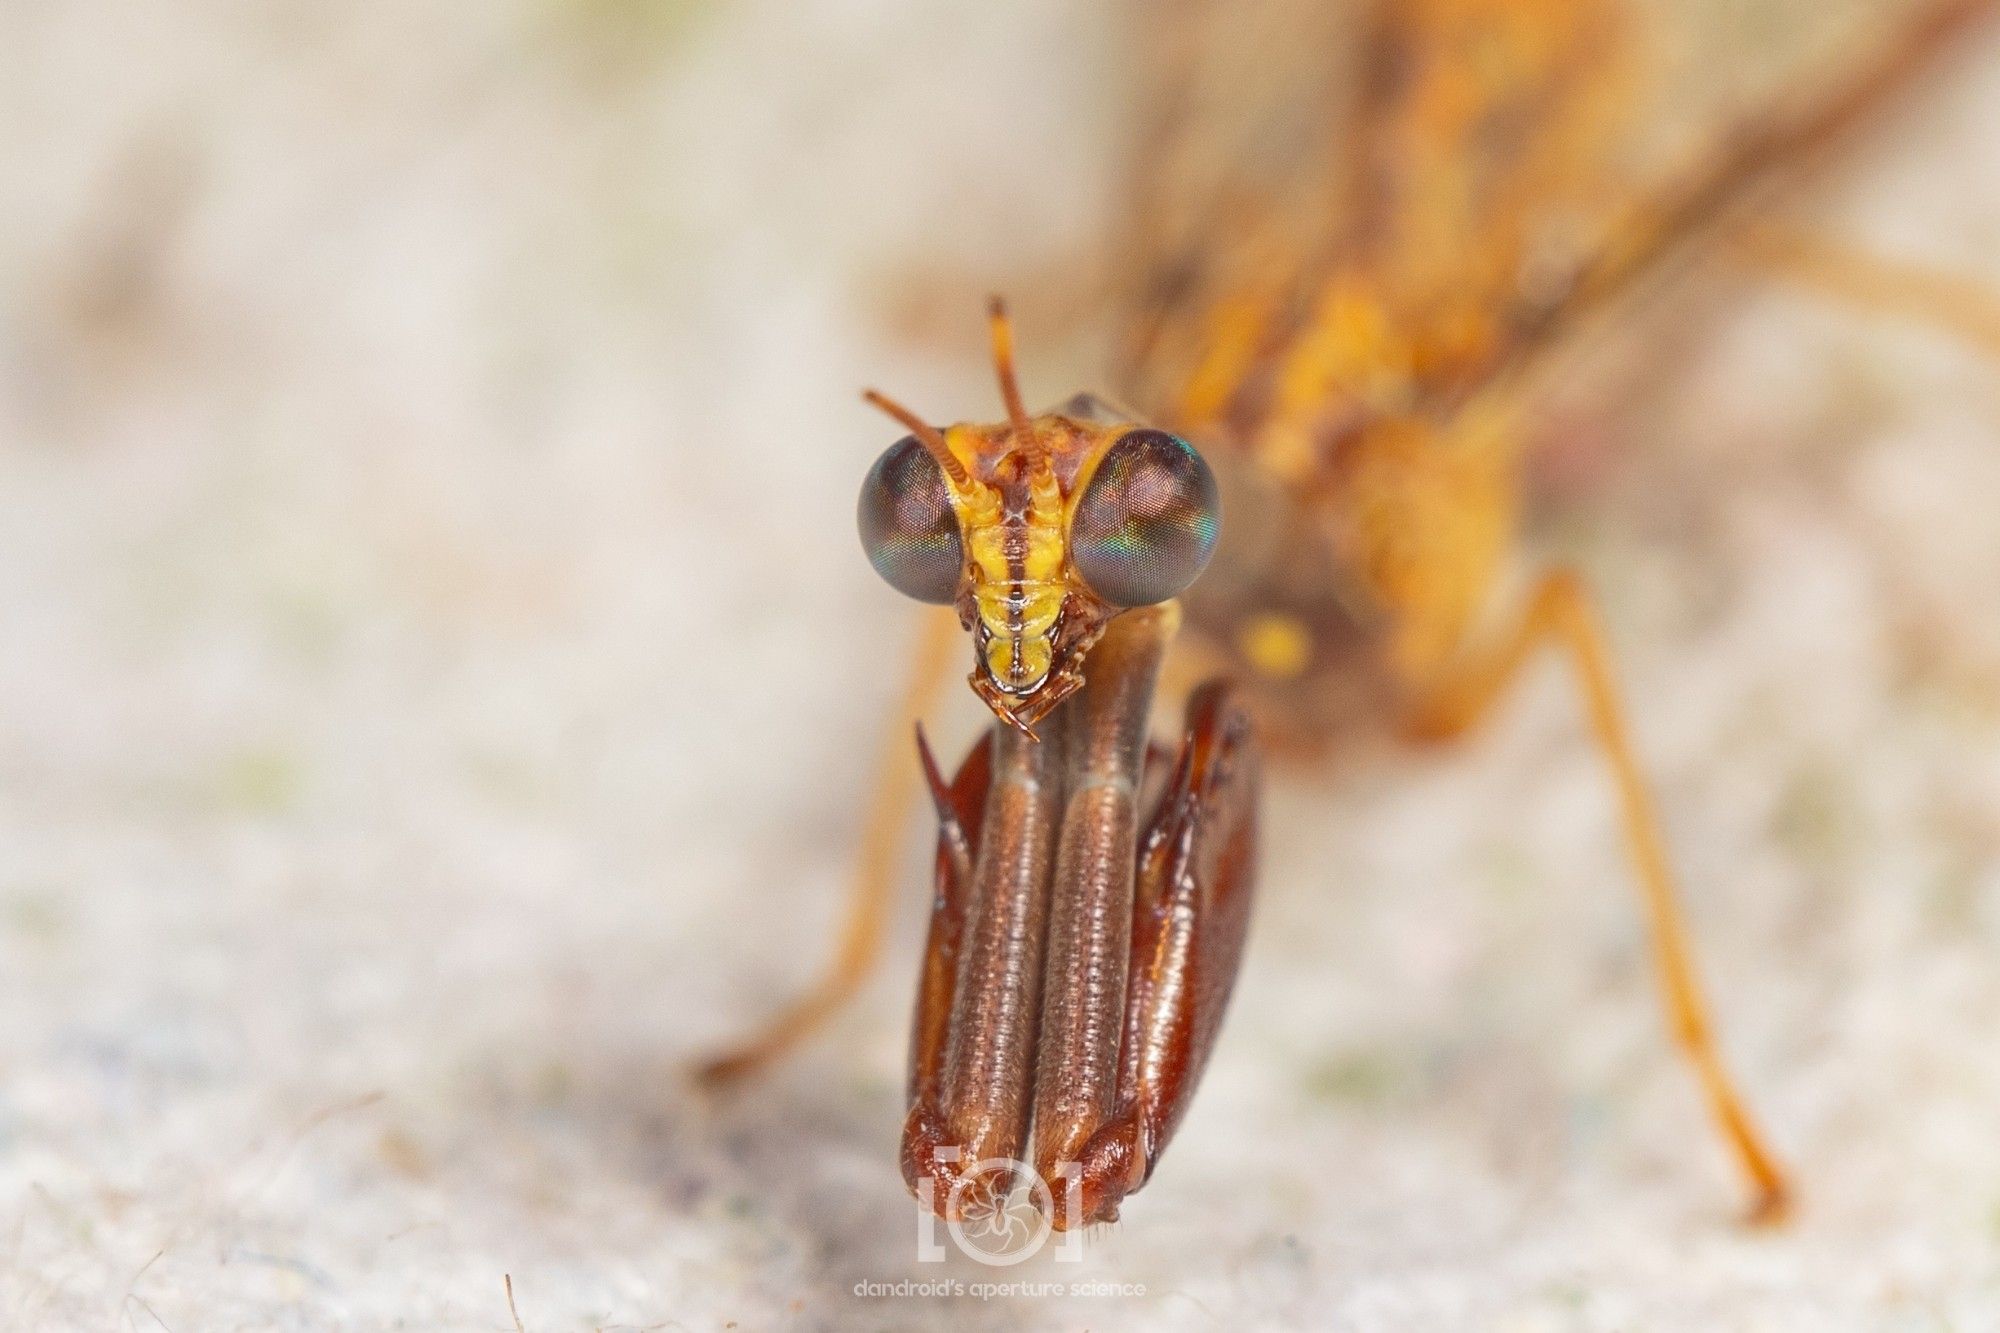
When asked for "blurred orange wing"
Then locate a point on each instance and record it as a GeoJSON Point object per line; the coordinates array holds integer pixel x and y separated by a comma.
{"type": "Point", "coordinates": [1347, 213]}
{"type": "Point", "coordinates": [1342, 211]}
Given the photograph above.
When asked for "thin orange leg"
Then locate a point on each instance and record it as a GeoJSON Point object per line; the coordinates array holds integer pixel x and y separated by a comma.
{"type": "Point", "coordinates": [1949, 302]}
{"type": "Point", "coordinates": [1560, 612]}
{"type": "Point", "coordinates": [895, 791]}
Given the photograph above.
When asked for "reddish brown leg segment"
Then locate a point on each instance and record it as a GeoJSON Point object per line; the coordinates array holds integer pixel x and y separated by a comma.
{"type": "Point", "coordinates": [1196, 867]}
{"type": "Point", "coordinates": [1076, 970]}
{"type": "Point", "coordinates": [972, 1056]}
{"type": "Point", "coordinates": [1090, 922]}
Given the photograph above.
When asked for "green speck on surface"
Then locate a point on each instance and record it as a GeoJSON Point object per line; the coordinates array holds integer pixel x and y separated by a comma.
{"type": "Point", "coordinates": [307, 625]}
{"type": "Point", "coordinates": [263, 780]}
{"type": "Point", "coordinates": [35, 915]}
{"type": "Point", "coordinates": [1954, 896]}
{"type": "Point", "coordinates": [1356, 1076]}
{"type": "Point", "coordinates": [1508, 871]}
{"type": "Point", "coordinates": [627, 37]}
{"type": "Point", "coordinates": [1815, 816]}
{"type": "Point", "coordinates": [508, 782]}
{"type": "Point", "coordinates": [871, 1085]}
{"type": "Point", "coordinates": [553, 1083]}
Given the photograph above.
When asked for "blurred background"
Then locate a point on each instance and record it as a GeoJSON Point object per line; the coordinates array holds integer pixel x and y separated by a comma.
{"type": "Point", "coordinates": [438, 675]}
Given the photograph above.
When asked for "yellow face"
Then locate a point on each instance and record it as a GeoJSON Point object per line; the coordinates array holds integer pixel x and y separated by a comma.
{"type": "Point", "coordinates": [1013, 519]}
{"type": "Point", "coordinates": [1039, 531]}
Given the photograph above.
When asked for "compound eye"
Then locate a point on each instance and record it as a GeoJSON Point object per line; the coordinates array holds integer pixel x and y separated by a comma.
{"type": "Point", "coordinates": [1146, 524]}
{"type": "Point", "coordinates": [908, 527]}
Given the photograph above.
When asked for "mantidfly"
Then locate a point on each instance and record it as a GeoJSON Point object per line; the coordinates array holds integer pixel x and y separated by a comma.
{"type": "Point", "coordinates": [1362, 361]}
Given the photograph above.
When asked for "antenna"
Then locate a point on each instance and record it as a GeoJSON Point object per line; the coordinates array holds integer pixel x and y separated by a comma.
{"type": "Point", "coordinates": [929, 436]}
{"type": "Point", "coordinates": [1026, 440]}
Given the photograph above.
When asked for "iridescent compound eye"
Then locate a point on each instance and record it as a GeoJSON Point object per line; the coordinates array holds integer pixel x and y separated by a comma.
{"type": "Point", "coordinates": [1146, 524]}
{"type": "Point", "coordinates": [907, 524]}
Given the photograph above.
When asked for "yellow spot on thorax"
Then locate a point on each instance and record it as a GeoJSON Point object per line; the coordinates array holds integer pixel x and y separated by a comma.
{"type": "Point", "coordinates": [1276, 646]}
